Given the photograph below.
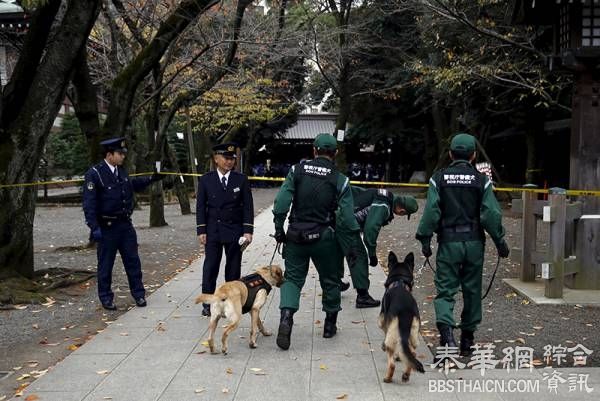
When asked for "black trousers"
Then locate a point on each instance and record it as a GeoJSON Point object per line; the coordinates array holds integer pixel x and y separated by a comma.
{"type": "Point", "coordinates": [213, 251]}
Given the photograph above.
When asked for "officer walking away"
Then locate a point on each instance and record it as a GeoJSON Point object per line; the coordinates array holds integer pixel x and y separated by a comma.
{"type": "Point", "coordinates": [460, 206]}
{"type": "Point", "coordinates": [315, 190]}
{"type": "Point", "coordinates": [373, 209]}
{"type": "Point", "coordinates": [108, 205]}
{"type": "Point", "coordinates": [224, 215]}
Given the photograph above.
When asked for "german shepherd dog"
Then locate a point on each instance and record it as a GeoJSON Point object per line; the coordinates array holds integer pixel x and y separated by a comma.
{"type": "Point", "coordinates": [231, 298]}
{"type": "Point", "coordinates": [399, 318]}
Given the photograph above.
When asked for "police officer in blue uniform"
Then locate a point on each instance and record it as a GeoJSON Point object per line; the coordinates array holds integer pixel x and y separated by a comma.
{"type": "Point", "coordinates": [224, 214]}
{"type": "Point", "coordinates": [108, 205]}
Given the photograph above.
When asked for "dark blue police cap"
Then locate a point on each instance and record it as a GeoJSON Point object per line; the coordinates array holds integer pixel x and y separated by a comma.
{"type": "Point", "coordinates": [225, 149]}
{"type": "Point", "coordinates": [114, 145]}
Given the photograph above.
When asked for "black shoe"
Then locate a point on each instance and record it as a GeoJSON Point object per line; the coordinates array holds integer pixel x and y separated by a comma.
{"type": "Point", "coordinates": [285, 328]}
{"type": "Point", "coordinates": [344, 286]}
{"type": "Point", "coordinates": [330, 327]}
{"type": "Point", "coordinates": [467, 339]}
{"type": "Point", "coordinates": [205, 310]}
{"type": "Point", "coordinates": [109, 305]}
{"type": "Point", "coordinates": [446, 335]}
{"type": "Point", "coordinates": [366, 301]}
{"type": "Point", "coordinates": [446, 339]}
{"type": "Point", "coordinates": [141, 302]}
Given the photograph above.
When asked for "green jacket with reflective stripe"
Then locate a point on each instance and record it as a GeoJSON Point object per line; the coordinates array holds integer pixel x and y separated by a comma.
{"type": "Point", "coordinates": [373, 209]}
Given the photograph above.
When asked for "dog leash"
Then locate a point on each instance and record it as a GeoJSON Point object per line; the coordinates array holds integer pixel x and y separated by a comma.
{"type": "Point", "coordinates": [492, 280]}
{"type": "Point", "coordinates": [277, 248]}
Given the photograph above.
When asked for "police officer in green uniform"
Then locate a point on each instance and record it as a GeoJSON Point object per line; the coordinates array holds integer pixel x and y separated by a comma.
{"type": "Point", "coordinates": [315, 190]}
{"type": "Point", "coordinates": [460, 206]}
{"type": "Point", "coordinates": [373, 209]}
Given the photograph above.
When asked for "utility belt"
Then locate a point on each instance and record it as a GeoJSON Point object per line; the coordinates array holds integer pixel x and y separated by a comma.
{"type": "Point", "coordinates": [305, 232]}
{"type": "Point", "coordinates": [107, 221]}
{"type": "Point", "coordinates": [461, 232]}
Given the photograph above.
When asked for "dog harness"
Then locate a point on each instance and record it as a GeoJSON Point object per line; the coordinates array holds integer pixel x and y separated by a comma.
{"type": "Point", "coordinates": [254, 283]}
{"type": "Point", "coordinates": [402, 281]}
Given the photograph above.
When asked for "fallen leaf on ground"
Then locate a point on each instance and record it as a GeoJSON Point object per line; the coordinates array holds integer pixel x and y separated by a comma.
{"type": "Point", "coordinates": [32, 397]}
{"type": "Point", "coordinates": [124, 334]}
{"type": "Point", "coordinates": [23, 376]}
{"type": "Point", "coordinates": [256, 369]}
{"type": "Point", "coordinates": [322, 367]}
{"type": "Point", "coordinates": [20, 307]}
{"type": "Point", "coordinates": [17, 368]}
{"type": "Point", "coordinates": [35, 326]}
{"type": "Point", "coordinates": [538, 327]}
{"type": "Point", "coordinates": [19, 391]}
{"type": "Point", "coordinates": [72, 347]}
{"type": "Point", "coordinates": [225, 390]}
{"type": "Point", "coordinates": [199, 390]}
{"type": "Point", "coordinates": [341, 397]}
{"type": "Point", "coordinates": [317, 322]}
{"type": "Point", "coordinates": [205, 343]}
{"type": "Point", "coordinates": [521, 340]}
{"type": "Point", "coordinates": [358, 321]}
{"type": "Point", "coordinates": [103, 372]}
{"type": "Point", "coordinates": [32, 364]}
{"type": "Point", "coordinates": [229, 371]}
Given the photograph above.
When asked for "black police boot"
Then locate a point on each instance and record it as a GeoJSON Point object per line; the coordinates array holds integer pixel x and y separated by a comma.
{"type": "Point", "coordinates": [446, 335]}
{"type": "Point", "coordinates": [467, 340]}
{"type": "Point", "coordinates": [109, 305]}
{"type": "Point", "coordinates": [285, 328]}
{"type": "Point", "coordinates": [364, 300]}
{"type": "Point", "coordinates": [330, 328]}
{"type": "Point", "coordinates": [344, 286]}
{"type": "Point", "coordinates": [446, 339]}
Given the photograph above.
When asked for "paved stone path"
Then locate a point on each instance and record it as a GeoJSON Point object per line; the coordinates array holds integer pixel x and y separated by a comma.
{"type": "Point", "coordinates": [156, 353]}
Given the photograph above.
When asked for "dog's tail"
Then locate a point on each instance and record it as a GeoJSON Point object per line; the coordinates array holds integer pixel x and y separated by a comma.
{"type": "Point", "coordinates": [405, 328]}
{"type": "Point", "coordinates": [207, 298]}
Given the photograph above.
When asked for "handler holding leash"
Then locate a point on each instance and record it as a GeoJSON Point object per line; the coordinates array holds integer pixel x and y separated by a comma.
{"type": "Point", "coordinates": [460, 206]}
{"type": "Point", "coordinates": [373, 209]}
{"type": "Point", "coordinates": [315, 190]}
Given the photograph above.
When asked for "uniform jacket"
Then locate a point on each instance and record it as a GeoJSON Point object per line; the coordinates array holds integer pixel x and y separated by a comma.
{"type": "Point", "coordinates": [308, 205]}
{"type": "Point", "coordinates": [106, 197]}
{"type": "Point", "coordinates": [459, 196]}
{"type": "Point", "coordinates": [224, 215]}
{"type": "Point", "coordinates": [373, 209]}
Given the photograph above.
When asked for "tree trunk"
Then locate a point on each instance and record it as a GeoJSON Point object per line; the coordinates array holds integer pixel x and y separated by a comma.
{"type": "Point", "coordinates": [23, 138]}
{"type": "Point", "coordinates": [126, 83]}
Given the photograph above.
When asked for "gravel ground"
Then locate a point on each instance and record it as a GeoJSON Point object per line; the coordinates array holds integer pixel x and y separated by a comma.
{"type": "Point", "coordinates": [39, 336]}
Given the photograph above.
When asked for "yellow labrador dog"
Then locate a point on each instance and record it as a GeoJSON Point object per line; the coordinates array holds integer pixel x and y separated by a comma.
{"type": "Point", "coordinates": [234, 298]}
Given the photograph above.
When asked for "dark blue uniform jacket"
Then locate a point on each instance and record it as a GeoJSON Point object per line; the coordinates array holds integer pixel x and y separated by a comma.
{"type": "Point", "coordinates": [224, 215]}
{"type": "Point", "coordinates": [106, 197]}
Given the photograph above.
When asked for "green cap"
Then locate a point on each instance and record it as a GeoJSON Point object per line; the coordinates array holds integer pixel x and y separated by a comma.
{"type": "Point", "coordinates": [463, 143]}
{"type": "Point", "coordinates": [408, 203]}
{"type": "Point", "coordinates": [325, 141]}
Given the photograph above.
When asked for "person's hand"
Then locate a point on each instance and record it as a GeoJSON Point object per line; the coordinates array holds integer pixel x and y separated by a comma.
{"type": "Point", "coordinates": [280, 236]}
{"type": "Point", "coordinates": [97, 234]}
{"type": "Point", "coordinates": [373, 260]}
{"type": "Point", "coordinates": [202, 239]}
{"type": "Point", "coordinates": [503, 250]}
{"type": "Point", "coordinates": [248, 238]}
{"type": "Point", "coordinates": [426, 250]}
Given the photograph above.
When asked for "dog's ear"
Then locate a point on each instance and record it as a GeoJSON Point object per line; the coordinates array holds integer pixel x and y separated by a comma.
{"type": "Point", "coordinates": [409, 260]}
{"type": "Point", "coordinates": [392, 259]}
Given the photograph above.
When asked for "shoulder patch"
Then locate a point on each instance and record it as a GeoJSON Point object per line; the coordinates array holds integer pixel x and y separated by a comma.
{"type": "Point", "coordinates": [382, 191]}
{"type": "Point", "coordinates": [90, 185]}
